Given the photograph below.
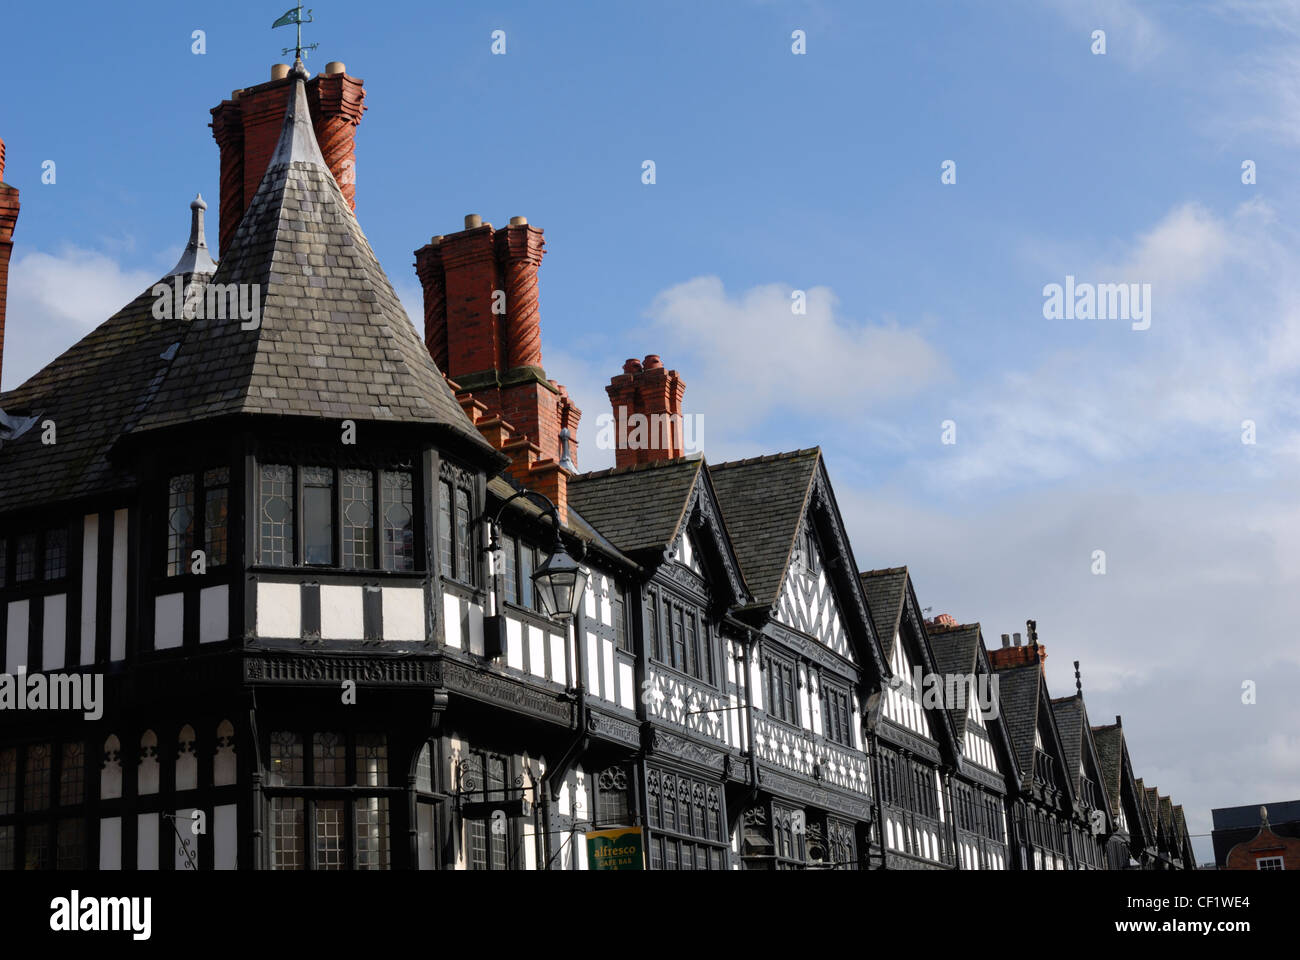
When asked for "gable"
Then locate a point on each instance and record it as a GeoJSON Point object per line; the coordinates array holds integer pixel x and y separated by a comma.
{"type": "Point", "coordinates": [687, 554]}
{"type": "Point", "coordinates": [902, 703]}
{"type": "Point", "coordinates": [977, 740]}
{"type": "Point", "coordinates": [807, 601]}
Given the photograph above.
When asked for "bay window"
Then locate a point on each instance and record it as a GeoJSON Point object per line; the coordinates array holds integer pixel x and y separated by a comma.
{"type": "Point", "coordinates": [347, 518]}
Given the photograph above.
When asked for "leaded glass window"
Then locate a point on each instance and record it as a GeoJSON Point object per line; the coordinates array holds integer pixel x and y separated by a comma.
{"type": "Point", "coordinates": [372, 760]}
{"type": "Point", "coordinates": [36, 780]}
{"type": "Point", "coordinates": [372, 833]}
{"type": "Point", "coordinates": [216, 508]}
{"type": "Point", "coordinates": [318, 516]}
{"type": "Point", "coordinates": [72, 775]}
{"type": "Point", "coordinates": [358, 519]}
{"type": "Point", "coordinates": [329, 760]}
{"type": "Point", "coordinates": [56, 554]}
{"type": "Point", "coordinates": [509, 546]}
{"type": "Point", "coordinates": [464, 549]}
{"type": "Point", "coordinates": [70, 845]}
{"type": "Point", "coordinates": [180, 523]}
{"type": "Point", "coordinates": [399, 534]}
{"type": "Point", "coordinates": [444, 530]}
{"type": "Point", "coordinates": [8, 780]}
{"type": "Point", "coordinates": [330, 848]}
{"type": "Point", "coordinates": [286, 834]}
{"type": "Point", "coordinates": [286, 759]}
{"type": "Point", "coordinates": [25, 559]}
{"type": "Point", "coordinates": [276, 511]}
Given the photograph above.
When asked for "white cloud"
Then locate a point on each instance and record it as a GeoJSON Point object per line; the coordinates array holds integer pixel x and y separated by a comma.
{"type": "Point", "coordinates": [56, 299]}
{"type": "Point", "coordinates": [1223, 347]}
{"type": "Point", "coordinates": [748, 356]}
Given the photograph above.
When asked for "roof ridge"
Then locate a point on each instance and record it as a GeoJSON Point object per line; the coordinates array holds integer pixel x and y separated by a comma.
{"type": "Point", "coordinates": [633, 468]}
{"type": "Point", "coordinates": [766, 458]}
{"type": "Point", "coordinates": [882, 571]}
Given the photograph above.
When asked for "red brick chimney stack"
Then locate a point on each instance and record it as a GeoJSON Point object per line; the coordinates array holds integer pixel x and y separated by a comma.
{"type": "Point", "coordinates": [247, 128]}
{"type": "Point", "coordinates": [1013, 654]}
{"type": "Point", "coordinates": [482, 326]}
{"type": "Point", "coordinates": [9, 206]}
{"type": "Point", "coordinates": [647, 402]}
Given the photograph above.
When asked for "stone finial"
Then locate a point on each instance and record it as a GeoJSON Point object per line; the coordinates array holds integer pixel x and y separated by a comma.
{"type": "Point", "coordinates": [196, 258]}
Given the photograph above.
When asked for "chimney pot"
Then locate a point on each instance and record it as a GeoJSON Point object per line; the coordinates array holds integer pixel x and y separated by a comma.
{"type": "Point", "coordinates": [333, 67]}
{"type": "Point", "coordinates": [518, 221]}
{"type": "Point", "coordinates": [632, 366]}
{"type": "Point", "coordinates": [652, 361]}
{"type": "Point", "coordinates": [1016, 638]}
{"type": "Point", "coordinates": [473, 220]}
{"type": "Point", "coordinates": [1006, 639]}
{"type": "Point", "coordinates": [279, 71]}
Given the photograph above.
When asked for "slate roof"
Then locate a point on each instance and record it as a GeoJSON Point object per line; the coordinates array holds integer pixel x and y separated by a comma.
{"type": "Point", "coordinates": [1110, 755]}
{"type": "Point", "coordinates": [955, 651]}
{"type": "Point", "coordinates": [1167, 819]}
{"type": "Point", "coordinates": [92, 392]}
{"type": "Point", "coordinates": [637, 508]}
{"type": "Point", "coordinates": [503, 489]}
{"type": "Point", "coordinates": [1018, 693]}
{"type": "Point", "coordinates": [334, 341]}
{"type": "Point", "coordinates": [886, 589]}
{"type": "Point", "coordinates": [1180, 822]}
{"type": "Point", "coordinates": [763, 500]}
{"type": "Point", "coordinates": [1069, 723]}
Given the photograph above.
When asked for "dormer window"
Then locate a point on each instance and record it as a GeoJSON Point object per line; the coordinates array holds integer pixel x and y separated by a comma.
{"type": "Point", "coordinates": [351, 518]}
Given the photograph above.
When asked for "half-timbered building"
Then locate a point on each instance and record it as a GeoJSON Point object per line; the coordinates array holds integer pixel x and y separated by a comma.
{"type": "Point", "coordinates": [985, 760]}
{"type": "Point", "coordinates": [283, 584]}
{"type": "Point", "coordinates": [1042, 808]}
{"type": "Point", "coordinates": [1092, 822]}
{"type": "Point", "coordinates": [913, 745]}
{"type": "Point", "coordinates": [1129, 846]}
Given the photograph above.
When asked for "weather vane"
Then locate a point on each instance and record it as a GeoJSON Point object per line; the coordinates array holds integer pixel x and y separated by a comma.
{"type": "Point", "coordinates": [294, 17]}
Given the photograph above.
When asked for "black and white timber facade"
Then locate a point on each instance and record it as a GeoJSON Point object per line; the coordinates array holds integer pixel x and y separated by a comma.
{"type": "Point", "coordinates": [270, 544]}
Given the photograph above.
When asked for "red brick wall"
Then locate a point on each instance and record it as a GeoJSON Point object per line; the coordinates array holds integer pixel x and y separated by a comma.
{"type": "Point", "coordinates": [1266, 844]}
{"type": "Point", "coordinates": [9, 207]}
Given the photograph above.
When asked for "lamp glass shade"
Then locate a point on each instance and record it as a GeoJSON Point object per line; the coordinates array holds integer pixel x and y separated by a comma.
{"type": "Point", "coordinates": [560, 583]}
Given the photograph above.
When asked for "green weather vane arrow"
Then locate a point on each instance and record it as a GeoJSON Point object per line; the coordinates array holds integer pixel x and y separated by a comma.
{"type": "Point", "coordinates": [294, 17]}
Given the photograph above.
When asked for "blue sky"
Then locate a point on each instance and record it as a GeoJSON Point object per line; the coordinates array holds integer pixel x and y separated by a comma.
{"type": "Point", "coordinates": [821, 172]}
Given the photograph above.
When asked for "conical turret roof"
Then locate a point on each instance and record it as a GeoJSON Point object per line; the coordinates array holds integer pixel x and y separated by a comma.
{"type": "Point", "coordinates": [322, 333]}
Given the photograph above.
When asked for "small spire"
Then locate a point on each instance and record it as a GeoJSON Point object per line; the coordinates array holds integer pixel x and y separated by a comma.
{"type": "Point", "coordinates": [297, 137]}
{"type": "Point", "coordinates": [1078, 682]}
{"type": "Point", "coordinates": [196, 258]}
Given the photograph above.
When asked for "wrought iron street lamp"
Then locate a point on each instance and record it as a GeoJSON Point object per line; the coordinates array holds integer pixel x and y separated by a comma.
{"type": "Point", "coordinates": [560, 580]}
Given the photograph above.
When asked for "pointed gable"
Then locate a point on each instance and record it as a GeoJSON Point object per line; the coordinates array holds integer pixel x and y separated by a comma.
{"type": "Point", "coordinates": [764, 500]}
{"type": "Point", "coordinates": [664, 510]}
{"type": "Point", "coordinates": [885, 594]}
{"type": "Point", "coordinates": [807, 601]}
{"type": "Point", "coordinates": [1018, 687]}
{"type": "Point", "coordinates": [1069, 722]}
{"type": "Point", "coordinates": [784, 522]}
{"type": "Point", "coordinates": [1110, 756]}
{"type": "Point", "coordinates": [333, 340]}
